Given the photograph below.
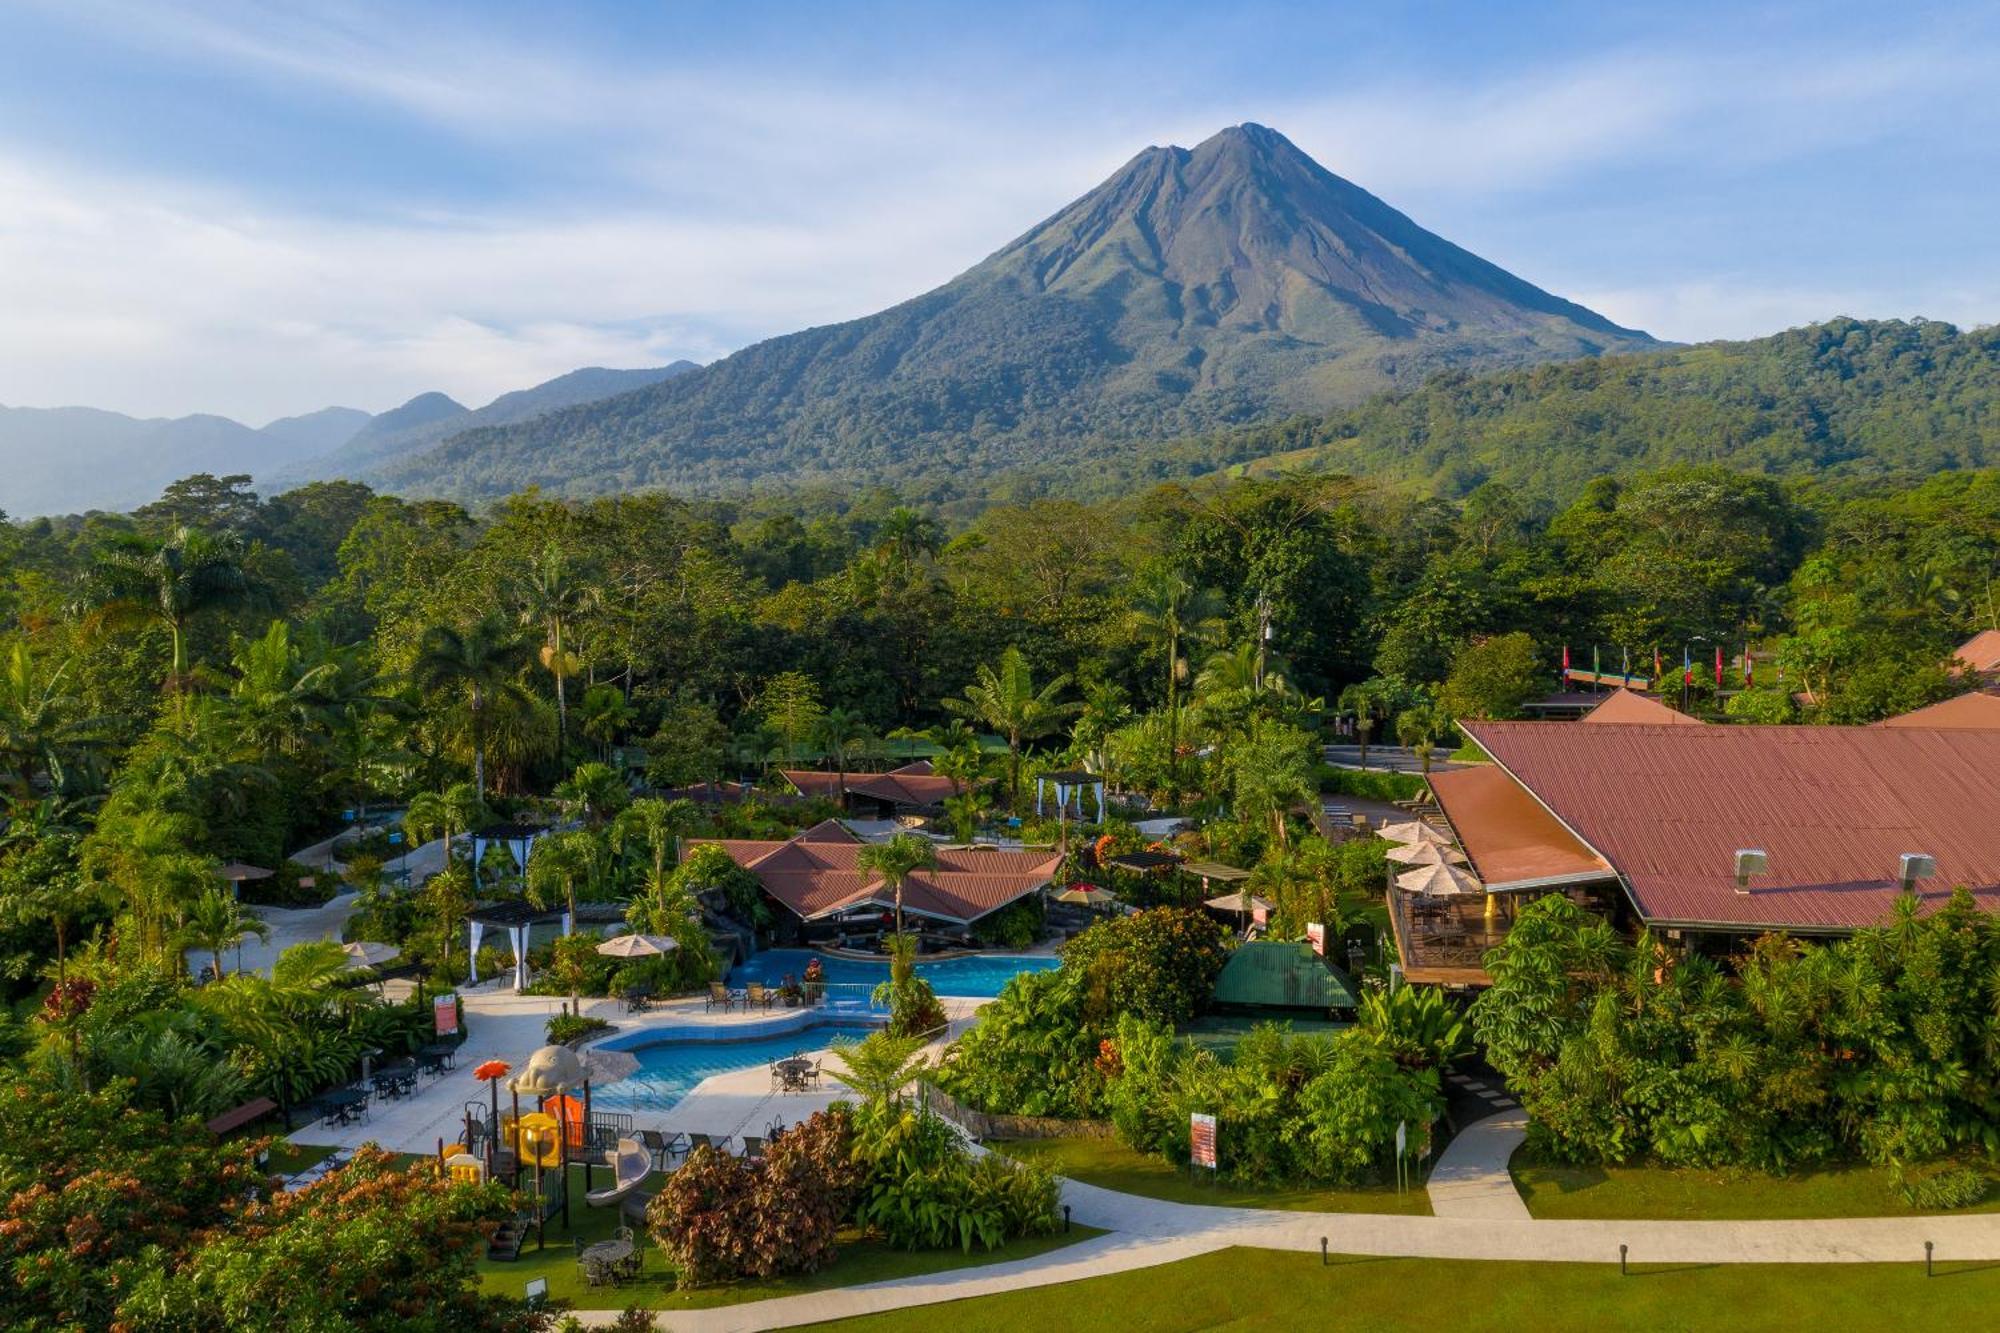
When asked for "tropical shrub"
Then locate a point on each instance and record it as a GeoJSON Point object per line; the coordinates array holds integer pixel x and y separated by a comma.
{"type": "Point", "coordinates": [566, 1029]}
{"type": "Point", "coordinates": [721, 1217]}
{"type": "Point", "coordinates": [1417, 1026]}
{"type": "Point", "coordinates": [923, 1189]}
{"type": "Point", "coordinates": [1942, 1186]}
{"type": "Point", "coordinates": [1012, 927]}
{"type": "Point", "coordinates": [914, 1010]}
{"type": "Point", "coordinates": [1352, 1110]}
{"type": "Point", "coordinates": [1031, 1053]}
{"type": "Point", "coordinates": [1159, 965]}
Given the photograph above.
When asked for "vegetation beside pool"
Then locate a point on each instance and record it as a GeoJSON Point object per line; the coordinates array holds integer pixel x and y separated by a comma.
{"type": "Point", "coordinates": [1113, 1165]}
{"type": "Point", "coordinates": [1245, 1288]}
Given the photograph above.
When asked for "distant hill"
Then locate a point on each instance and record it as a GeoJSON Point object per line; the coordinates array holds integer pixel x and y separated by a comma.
{"type": "Point", "coordinates": [1844, 399]}
{"type": "Point", "coordinates": [430, 418]}
{"type": "Point", "coordinates": [71, 459]}
{"type": "Point", "coordinates": [1234, 282]}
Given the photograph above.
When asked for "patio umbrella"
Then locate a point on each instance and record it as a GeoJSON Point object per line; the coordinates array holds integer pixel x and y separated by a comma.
{"type": "Point", "coordinates": [236, 872]}
{"type": "Point", "coordinates": [1089, 895]}
{"type": "Point", "coordinates": [1413, 831]}
{"type": "Point", "coordinates": [1439, 881]}
{"type": "Point", "coordinates": [366, 953]}
{"type": "Point", "coordinates": [1238, 902]}
{"type": "Point", "coordinates": [1426, 854]}
{"type": "Point", "coordinates": [637, 946]}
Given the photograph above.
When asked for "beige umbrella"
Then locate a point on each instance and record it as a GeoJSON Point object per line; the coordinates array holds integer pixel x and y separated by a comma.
{"type": "Point", "coordinates": [637, 946]}
{"type": "Point", "coordinates": [236, 872]}
{"type": "Point", "coordinates": [1413, 831]}
{"type": "Point", "coordinates": [1439, 881]}
{"type": "Point", "coordinates": [1088, 895]}
{"type": "Point", "coordinates": [1426, 854]}
{"type": "Point", "coordinates": [366, 953]}
{"type": "Point", "coordinates": [1238, 902]}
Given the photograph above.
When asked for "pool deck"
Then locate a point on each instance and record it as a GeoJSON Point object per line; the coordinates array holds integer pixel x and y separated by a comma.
{"type": "Point", "coordinates": [504, 1026]}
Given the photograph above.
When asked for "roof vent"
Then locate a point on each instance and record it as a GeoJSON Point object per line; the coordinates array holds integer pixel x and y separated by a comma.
{"type": "Point", "coordinates": [1916, 866]}
{"type": "Point", "coordinates": [1749, 861]}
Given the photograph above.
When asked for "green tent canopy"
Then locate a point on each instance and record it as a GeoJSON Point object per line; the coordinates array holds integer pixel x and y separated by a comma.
{"type": "Point", "coordinates": [1282, 974]}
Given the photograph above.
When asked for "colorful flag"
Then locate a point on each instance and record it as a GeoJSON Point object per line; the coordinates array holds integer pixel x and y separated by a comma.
{"type": "Point", "coordinates": [1718, 667]}
{"type": "Point", "coordinates": [1658, 670]}
{"type": "Point", "coordinates": [1596, 665]}
{"type": "Point", "coordinates": [1749, 669]}
{"type": "Point", "coordinates": [1624, 661]}
{"type": "Point", "coordinates": [1565, 664]}
{"type": "Point", "coordinates": [1687, 665]}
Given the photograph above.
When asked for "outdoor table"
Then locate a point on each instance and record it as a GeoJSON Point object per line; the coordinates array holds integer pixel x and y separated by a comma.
{"type": "Point", "coordinates": [609, 1257]}
{"type": "Point", "coordinates": [344, 1104]}
{"type": "Point", "coordinates": [437, 1056]}
{"type": "Point", "coordinates": [794, 1072]}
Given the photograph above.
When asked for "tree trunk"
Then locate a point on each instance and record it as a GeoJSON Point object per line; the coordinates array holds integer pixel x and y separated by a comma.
{"type": "Point", "coordinates": [478, 743]}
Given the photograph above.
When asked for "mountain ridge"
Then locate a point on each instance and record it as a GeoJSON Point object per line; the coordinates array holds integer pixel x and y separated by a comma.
{"type": "Point", "coordinates": [1194, 288]}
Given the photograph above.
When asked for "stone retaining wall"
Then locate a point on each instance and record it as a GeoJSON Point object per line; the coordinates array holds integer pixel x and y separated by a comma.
{"type": "Point", "coordinates": [984, 1127]}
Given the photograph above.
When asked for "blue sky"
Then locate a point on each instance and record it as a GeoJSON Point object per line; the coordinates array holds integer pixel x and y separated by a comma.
{"type": "Point", "coordinates": [263, 209]}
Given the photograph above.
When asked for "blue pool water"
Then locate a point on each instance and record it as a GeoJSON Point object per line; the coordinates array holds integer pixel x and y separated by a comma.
{"type": "Point", "coordinates": [979, 976]}
{"type": "Point", "coordinates": [670, 1067]}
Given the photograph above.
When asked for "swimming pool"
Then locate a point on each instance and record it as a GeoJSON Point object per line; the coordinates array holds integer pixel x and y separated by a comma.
{"type": "Point", "coordinates": [978, 976]}
{"type": "Point", "coordinates": [672, 1062]}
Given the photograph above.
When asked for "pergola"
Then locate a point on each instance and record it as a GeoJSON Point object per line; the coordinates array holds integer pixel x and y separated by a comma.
{"type": "Point", "coordinates": [518, 839]}
{"type": "Point", "coordinates": [1070, 786]}
{"type": "Point", "coordinates": [517, 917]}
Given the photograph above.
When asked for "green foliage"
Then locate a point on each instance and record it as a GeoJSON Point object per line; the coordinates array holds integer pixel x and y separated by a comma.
{"type": "Point", "coordinates": [1369, 785]}
{"type": "Point", "coordinates": [914, 1010]}
{"type": "Point", "coordinates": [568, 1029]}
{"type": "Point", "coordinates": [1417, 1025]}
{"type": "Point", "coordinates": [1942, 1186]}
{"type": "Point", "coordinates": [922, 1189]}
{"type": "Point", "coordinates": [1159, 965]}
{"type": "Point", "coordinates": [719, 1217]}
{"type": "Point", "coordinates": [1494, 677]}
{"type": "Point", "coordinates": [1031, 1053]}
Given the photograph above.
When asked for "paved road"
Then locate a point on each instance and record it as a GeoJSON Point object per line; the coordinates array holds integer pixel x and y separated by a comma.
{"type": "Point", "coordinates": [1391, 757]}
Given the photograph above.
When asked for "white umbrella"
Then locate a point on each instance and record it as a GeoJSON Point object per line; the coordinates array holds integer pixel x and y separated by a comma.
{"type": "Point", "coordinates": [637, 946]}
{"type": "Point", "coordinates": [367, 953]}
{"type": "Point", "coordinates": [1426, 854]}
{"type": "Point", "coordinates": [610, 1066]}
{"type": "Point", "coordinates": [1439, 881]}
{"type": "Point", "coordinates": [1413, 830]}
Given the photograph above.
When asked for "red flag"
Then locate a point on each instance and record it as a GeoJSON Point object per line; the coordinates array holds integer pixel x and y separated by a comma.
{"type": "Point", "coordinates": [1565, 661]}
{"type": "Point", "coordinates": [1749, 669]}
{"type": "Point", "coordinates": [1718, 666]}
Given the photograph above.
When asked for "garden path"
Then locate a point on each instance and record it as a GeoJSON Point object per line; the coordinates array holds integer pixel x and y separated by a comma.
{"type": "Point", "coordinates": [1471, 1178]}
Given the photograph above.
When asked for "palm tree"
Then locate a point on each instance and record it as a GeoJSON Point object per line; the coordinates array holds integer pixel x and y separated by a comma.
{"type": "Point", "coordinates": [604, 716]}
{"type": "Point", "coordinates": [216, 921]}
{"type": "Point", "coordinates": [1007, 701]}
{"type": "Point", "coordinates": [879, 1066]}
{"type": "Point", "coordinates": [39, 729]}
{"type": "Point", "coordinates": [895, 861]}
{"type": "Point", "coordinates": [457, 809]}
{"type": "Point", "coordinates": [549, 598]}
{"type": "Point", "coordinates": [1419, 727]}
{"type": "Point", "coordinates": [1365, 701]}
{"type": "Point", "coordinates": [171, 581]}
{"type": "Point", "coordinates": [839, 733]}
{"type": "Point", "coordinates": [560, 863]}
{"type": "Point", "coordinates": [1168, 607]}
{"type": "Point", "coordinates": [658, 824]}
{"type": "Point", "coordinates": [596, 791]}
{"type": "Point", "coordinates": [484, 661]}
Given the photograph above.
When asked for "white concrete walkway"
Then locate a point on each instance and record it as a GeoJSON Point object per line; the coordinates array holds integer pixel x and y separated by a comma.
{"type": "Point", "coordinates": [1471, 1177]}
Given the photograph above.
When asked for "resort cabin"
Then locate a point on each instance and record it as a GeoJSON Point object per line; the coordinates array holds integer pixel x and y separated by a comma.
{"type": "Point", "coordinates": [1710, 835]}
{"type": "Point", "coordinates": [821, 894]}
{"type": "Point", "coordinates": [907, 790]}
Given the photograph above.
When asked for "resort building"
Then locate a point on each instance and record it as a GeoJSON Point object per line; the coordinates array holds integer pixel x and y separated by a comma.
{"type": "Point", "coordinates": [880, 795]}
{"type": "Point", "coordinates": [1708, 834]}
{"type": "Point", "coordinates": [816, 877]}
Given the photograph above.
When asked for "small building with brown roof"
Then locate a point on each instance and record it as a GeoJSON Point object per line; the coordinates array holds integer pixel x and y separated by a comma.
{"type": "Point", "coordinates": [912, 787]}
{"type": "Point", "coordinates": [816, 876]}
{"type": "Point", "coordinates": [1981, 654]}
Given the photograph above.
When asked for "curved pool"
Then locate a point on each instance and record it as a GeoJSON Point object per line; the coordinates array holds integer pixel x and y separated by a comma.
{"type": "Point", "coordinates": [976, 976]}
{"type": "Point", "coordinates": [673, 1060]}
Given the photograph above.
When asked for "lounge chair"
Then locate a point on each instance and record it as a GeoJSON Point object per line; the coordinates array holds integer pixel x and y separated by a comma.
{"type": "Point", "coordinates": [719, 994]}
{"type": "Point", "coordinates": [704, 1141]}
{"type": "Point", "coordinates": [663, 1149]}
{"type": "Point", "coordinates": [753, 1147]}
{"type": "Point", "coordinates": [758, 993]}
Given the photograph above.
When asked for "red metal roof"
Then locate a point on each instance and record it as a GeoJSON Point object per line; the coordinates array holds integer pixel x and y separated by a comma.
{"type": "Point", "coordinates": [1977, 711]}
{"type": "Point", "coordinates": [1625, 707]}
{"type": "Point", "coordinates": [1833, 807]}
{"type": "Point", "coordinates": [912, 784]}
{"type": "Point", "coordinates": [1513, 842]}
{"type": "Point", "coordinates": [1981, 652]}
{"type": "Point", "coordinates": [817, 876]}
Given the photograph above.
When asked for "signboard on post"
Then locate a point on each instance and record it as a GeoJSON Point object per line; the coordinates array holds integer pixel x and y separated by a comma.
{"type": "Point", "coordinates": [1201, 1140]}
{"type": "Point", "coordinates": [444, 1014]}
{"type": "Point", "coordinates": [1316, 936]}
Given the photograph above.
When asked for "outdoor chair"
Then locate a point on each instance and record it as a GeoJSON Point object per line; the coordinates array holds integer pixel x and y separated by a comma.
{"type": "Point", "coordinates": [664, 1149]}
{"type": "Point", "coordinates": [720, 995]}
{"type": "Point", "coordinates": [704, 1141]}
{"type": "Point", "coordinates": [758, 993]}
{"type": "Point", "coordinates": [753, 1147]}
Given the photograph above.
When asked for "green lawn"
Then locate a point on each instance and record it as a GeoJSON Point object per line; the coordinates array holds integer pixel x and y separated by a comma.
{"type": "Point", "coordinates": [859, 1261]}
{"type": "Point", "coordinates": [289, 1158]}
{"type": "Point", "coordinates": [1660, 1192]}
{"type": "Point", "coordinates": [1255, 1289]}
{"type": "Point", "coordinates": [1114, 1166]}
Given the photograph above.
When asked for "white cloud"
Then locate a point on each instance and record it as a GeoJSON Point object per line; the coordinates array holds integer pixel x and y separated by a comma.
{"type": "Point", "coordinates": [1709, 307]}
